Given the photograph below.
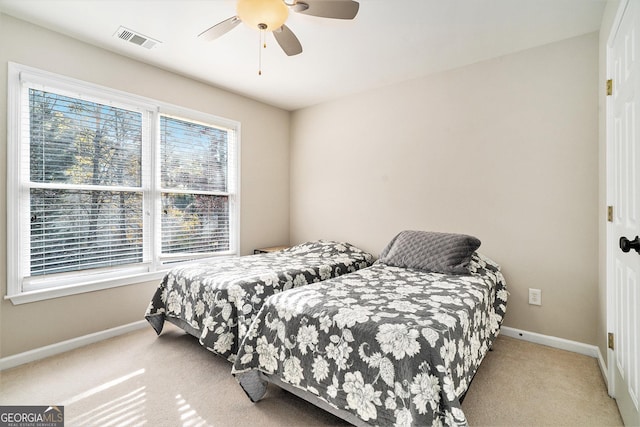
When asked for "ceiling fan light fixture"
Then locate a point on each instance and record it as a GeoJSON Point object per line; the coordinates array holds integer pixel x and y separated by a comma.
{"type": "Point", "coordinates": [263, 14]}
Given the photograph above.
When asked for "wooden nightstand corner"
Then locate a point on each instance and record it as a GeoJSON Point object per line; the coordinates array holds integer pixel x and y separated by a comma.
{"type": "Point", "coordinates": [269, 249]}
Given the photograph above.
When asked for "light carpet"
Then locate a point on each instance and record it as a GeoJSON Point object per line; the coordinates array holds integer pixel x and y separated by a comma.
{"type": "Point", "coordinates": [170, 380]}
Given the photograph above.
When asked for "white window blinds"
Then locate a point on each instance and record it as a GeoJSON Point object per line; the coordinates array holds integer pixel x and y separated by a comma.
{"type": "Point", "coordinates": [78, 149]}
{"type": "Point", "coordinates": [194, 181]}
{"type": "Point", "coordinates": [105, 190]}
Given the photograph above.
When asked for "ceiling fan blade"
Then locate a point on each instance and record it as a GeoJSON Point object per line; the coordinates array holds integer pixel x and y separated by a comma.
{"type": "Point", "coordinates": [287, 41]}
{"type": "Point", "coordinates": [220, 28]}
{"type": "Point", "coordinates": [336, 9]}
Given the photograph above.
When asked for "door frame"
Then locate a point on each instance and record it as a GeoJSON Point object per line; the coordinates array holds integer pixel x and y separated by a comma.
{"type": "Point", "coordinates": [610, 240]}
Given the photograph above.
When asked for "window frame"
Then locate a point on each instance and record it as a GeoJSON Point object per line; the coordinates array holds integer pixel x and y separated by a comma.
{"type": "Point", "coordinates": [153, 265]}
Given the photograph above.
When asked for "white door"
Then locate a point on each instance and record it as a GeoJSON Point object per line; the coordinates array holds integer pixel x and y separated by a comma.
{"type": "Point", "coordinates": [623, 277]}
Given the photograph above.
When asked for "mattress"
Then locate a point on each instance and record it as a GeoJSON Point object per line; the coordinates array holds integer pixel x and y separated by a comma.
{"type": "Point", "coordinates": [217, 301]}
{"type": "Point", "coordinates": [384, 345]}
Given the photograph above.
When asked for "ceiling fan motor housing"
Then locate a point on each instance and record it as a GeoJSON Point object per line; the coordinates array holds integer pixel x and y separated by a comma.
{"type": "Point", "coordinates": [263, 14]}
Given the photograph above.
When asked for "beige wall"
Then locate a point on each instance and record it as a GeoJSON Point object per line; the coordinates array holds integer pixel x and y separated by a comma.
{"type": "Point", "coordinates": [264, 175]}
{"type": "Point", "coordinates": [506, 150]}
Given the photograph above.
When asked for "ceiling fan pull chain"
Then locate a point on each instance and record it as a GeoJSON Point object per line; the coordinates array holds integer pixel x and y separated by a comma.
{"type": "Point", "coordinates": [261, 45]}
{"type": "Point", "coordinates": [260, 53]}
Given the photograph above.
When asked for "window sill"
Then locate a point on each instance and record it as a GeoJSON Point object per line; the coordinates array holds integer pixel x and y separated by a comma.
{"type": "Point", "coordinates": [62, 291]}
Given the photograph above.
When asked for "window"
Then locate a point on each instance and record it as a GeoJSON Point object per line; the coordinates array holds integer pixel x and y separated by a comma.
{"type": "Point", "coordinates": [85, 184]}
{"type": "Point", "coordinates": [194, 169]}
{"type": "Point", "coordinates": [106, 188]}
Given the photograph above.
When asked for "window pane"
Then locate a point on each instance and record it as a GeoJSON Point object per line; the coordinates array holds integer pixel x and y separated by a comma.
{"type": "Point", "coordinates": [78, 230]}
{"type": "Point", "coordinates": [80, 142]}
{"type": "Point", "coordinates": [193, 155]}
{"type": "Point", "coordinates": [103, 187]}
{"type": "Point", "coordinates": [194, 223]}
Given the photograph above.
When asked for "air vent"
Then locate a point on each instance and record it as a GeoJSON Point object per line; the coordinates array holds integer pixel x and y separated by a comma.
{"type": "Point", "coordinates": [136, 38]}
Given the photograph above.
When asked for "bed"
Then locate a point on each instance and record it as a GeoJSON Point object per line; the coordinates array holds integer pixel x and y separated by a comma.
{"type": "Point", "coordinates": [397, 343]}
{"type": "Point", "coordinates": [217, 301]}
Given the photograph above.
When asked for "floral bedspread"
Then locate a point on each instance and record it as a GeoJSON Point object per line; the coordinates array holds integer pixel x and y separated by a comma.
{"type": "Point", "coordinates": [393, 346]}
{"type": "Point", "coordinates": [217, 301]}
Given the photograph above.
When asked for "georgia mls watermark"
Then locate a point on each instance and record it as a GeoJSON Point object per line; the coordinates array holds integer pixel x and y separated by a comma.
{"type": "Point", "coordinates": [31, 416]}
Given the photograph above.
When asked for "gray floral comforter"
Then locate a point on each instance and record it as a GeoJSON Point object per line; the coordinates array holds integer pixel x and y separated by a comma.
{"type": "Point", "coordinates": [393, 346]}
{"type": "Point", "coordinates": [217, 301]}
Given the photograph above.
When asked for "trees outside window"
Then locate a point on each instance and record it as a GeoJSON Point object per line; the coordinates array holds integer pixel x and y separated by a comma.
{"type": "Point", "coordinates": [104, 184]}
{"type": "Point", "coordinates": [77, 148]}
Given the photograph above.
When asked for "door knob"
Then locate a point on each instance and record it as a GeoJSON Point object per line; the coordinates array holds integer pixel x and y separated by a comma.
{"type": "Point", "coordinates": [626, 245]}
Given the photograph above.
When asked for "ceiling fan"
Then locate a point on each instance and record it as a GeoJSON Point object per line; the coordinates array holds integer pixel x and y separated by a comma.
{"type": "Point", "coordinates": [271, 15]}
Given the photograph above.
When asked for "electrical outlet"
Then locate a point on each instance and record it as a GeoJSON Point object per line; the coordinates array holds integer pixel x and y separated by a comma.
{"type": "Point", "coordinates": [535, 296]}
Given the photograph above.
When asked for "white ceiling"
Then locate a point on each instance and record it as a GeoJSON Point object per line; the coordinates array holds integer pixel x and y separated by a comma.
{"type": "Point", "coordinates": [389, 41]}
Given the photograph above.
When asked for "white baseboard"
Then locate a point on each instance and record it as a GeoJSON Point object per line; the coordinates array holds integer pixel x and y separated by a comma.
{"type": "Point", "coordinates": [561, 343]}
{"type": "Point", "coordinates": [603, 368]}
{"type": "Point", "coordinates": [61, 347]}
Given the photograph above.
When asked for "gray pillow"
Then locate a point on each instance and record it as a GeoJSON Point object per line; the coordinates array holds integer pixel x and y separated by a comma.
{"type": "Point", "coordinates": [431, 251]}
